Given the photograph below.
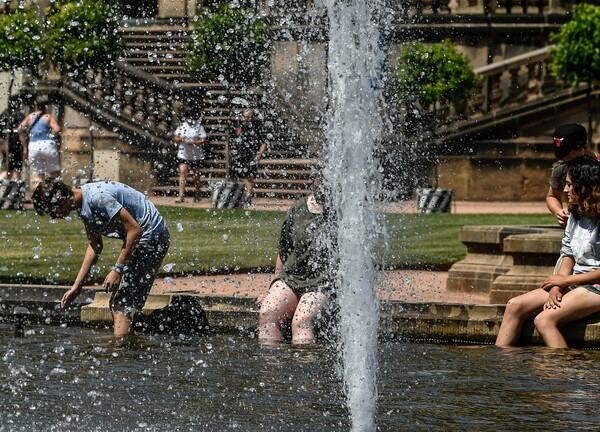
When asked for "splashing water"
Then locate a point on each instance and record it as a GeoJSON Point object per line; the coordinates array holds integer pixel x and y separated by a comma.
{"type": "Point", "coordinates": [353, 130]}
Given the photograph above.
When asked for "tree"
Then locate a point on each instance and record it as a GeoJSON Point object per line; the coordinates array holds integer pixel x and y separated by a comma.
{"type": "Point", "coordinates": [21, 44]}
{"type": "Point", "coordinates": [228, 45]}
{"type": "Point", "coordinates": [428, 74]}
{"type": "Point", "coordinates": [82, 35]}
{"type": "Point", "coordinates": [576, 57]}
{"type": "Point", "coordinates": [20, 40]}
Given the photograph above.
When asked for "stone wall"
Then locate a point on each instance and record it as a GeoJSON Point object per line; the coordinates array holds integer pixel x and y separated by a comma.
{"type": "Point", "coordinates": [90, 152]}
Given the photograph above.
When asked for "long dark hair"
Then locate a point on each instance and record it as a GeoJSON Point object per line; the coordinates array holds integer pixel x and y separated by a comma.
{"type": "Point", "coordinates": [584, 173]}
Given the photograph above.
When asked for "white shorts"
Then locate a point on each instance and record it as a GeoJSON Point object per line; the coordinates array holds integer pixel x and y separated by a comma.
{"type": "Point", "coordinates": [44, 157]}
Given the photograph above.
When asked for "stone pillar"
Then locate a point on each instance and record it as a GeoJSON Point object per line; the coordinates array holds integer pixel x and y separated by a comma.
{"type": "Point", "coordinates": [178, 8]}
{"type": "Point", "coordinates": [534, 257]}
{"type": "Point", "coordinates": [90, 152]}
{"type": "Point", "coordinates": [119, 161]}
{"type": "Point", "coordinates": [486, 257]}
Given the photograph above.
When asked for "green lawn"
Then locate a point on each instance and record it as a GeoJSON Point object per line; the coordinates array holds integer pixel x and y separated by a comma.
{"type": "Point", "coordinates": [35, 249]}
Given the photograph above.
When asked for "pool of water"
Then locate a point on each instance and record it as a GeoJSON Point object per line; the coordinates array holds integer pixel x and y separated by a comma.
{"type": "Point", "coordinates": [65, 379]}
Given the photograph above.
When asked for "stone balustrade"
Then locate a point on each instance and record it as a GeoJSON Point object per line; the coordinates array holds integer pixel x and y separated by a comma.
{"type": "Point", "coordinates": [438, 7]}
{"type": "Point", "coordinates": [506, 85]}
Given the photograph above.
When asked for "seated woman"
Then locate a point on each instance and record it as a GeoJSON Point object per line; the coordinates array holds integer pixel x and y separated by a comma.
{"type": "Point", "coordinates": [303, 285]}
{"type": "Point", "coordinates": [574, 292]}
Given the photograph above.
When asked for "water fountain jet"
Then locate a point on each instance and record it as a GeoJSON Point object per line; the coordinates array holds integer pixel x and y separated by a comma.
{"type": "Point", "coordinates": [350, 171]}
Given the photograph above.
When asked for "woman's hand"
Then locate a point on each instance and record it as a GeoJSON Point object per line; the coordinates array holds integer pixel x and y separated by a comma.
{"type": "Point", "coordinates": [69, 296]}
{"type": "Point", "coordinates": [554, 298]}
{"type": "Point", "coordinates": [112, 281]}
{"type": "Point", "coordinates": [562, 216]}
{"type": "Point", "coordinates": [555, 280]}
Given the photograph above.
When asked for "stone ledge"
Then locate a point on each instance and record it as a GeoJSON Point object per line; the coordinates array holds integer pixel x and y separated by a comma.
{"type": "Point", "coordinates": [195, 314]}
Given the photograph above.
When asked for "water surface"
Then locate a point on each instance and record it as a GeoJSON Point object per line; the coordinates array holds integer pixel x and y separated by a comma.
{"type": "Point", "coordinates": [69, 379]}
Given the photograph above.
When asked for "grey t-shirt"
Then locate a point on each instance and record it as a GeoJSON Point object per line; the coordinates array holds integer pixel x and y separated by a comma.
{"type": "Point", "coordinates": [558, 176]}
{"type": "Point", "coordinates": [103, 200]}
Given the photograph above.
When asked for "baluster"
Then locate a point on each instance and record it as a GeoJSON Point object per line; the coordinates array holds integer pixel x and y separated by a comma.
{"type": "Point", "coordinates": [540, 6]}
{"type": "Point", "coordinates": [521, 89]}
{"type": "Point", "coordinates": [99, 90]}
{"type": "Point", "coordinates": [509, 5]}
{"type": "Point", "coordinates": [150, 107]}
{"type": "Point", "coordinates": [525, 6]}
{"type": "Point", "coordinates": [118, 93]}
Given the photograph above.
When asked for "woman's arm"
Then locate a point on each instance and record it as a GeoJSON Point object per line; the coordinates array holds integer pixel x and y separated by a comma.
{"type": "Point", "coordinates": [90, 258]}
{"type": "Point", "coordinates": [278, 266]}
{"type": "Point", "coordinates": [554, 204]}
{"type": "Point", "coordinates": [54, 124]}
{"type": "Point", "coordinates": [23, 131]}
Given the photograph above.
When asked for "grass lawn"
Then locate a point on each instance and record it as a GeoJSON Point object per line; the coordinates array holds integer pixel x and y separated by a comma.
{"type": "Point", "coordinates": [36, 249]}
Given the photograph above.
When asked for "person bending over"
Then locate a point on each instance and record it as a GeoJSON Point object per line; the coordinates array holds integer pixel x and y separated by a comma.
{"type": "Point", "coordinates": [304, 272]}
{"type": "Point", "coordinates": [574, 292]}
{"type": "Point", "coordinates": [113, 210]}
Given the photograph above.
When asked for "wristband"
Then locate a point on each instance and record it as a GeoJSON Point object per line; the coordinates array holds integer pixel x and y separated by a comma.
{"type": "Point", "coordinates": [118, 267]}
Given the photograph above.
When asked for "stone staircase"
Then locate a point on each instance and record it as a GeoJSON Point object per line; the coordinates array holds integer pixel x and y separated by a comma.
{"type": "Point", "coordinates": [158, 50]}
{"type": "Point", "coordinates": [285, 172]}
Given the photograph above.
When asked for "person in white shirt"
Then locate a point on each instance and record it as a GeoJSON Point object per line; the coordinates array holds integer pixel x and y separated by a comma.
{"type": "Point", "coordinates": [574, 291]}
{"type": "Point", "coordinates": [190, 138]}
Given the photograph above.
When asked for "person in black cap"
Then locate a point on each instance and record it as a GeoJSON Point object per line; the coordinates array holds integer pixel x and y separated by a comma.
{"type": "Point", "coordinates": [570, 142]}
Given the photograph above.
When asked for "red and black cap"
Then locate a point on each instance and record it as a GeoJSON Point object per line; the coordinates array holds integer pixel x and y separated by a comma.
{"type": "Point", "coordinates": [568, 137]}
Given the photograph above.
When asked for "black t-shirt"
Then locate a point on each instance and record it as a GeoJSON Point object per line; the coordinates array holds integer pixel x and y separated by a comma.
{"type": "Point", "coordinates": [247, 139]}
{"type": "Point", "coordinates": [9, 123]}
{"type": "Point", "coordinates": [305, 248]}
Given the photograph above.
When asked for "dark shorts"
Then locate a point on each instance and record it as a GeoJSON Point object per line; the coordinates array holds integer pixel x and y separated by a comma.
{"type": "Point", "coordinates": [595, 288]}
{"type": "Point", "coordinates": [140, 273]}
{"type": "Point", "coordinates": [242, 169]}
{"type": "Point", "coordinates": [328, 290]}
{"type": "Point", "coordinates": [15, 158]}
{"type": "Point", "coordinates": [198, 163]}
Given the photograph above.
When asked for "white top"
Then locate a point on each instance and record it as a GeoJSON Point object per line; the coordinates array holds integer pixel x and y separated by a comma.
{"type": "Point", "coordinates": [191, 131]}
{"type": "Point", "coordinates": [582, 243]}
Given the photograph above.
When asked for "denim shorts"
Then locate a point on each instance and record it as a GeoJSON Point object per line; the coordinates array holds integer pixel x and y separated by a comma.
{"type": "Point", "coordinates": [138, 276]}
{"type": "Point", "coordinates": [595, 288]}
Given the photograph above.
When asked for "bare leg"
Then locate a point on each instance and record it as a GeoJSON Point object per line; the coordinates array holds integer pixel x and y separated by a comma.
{"type": "Point", "coordinates": [575, 305]}
{"type": "Point", "coordinates": [36, 179]}
{"type": "Point", "coordinates": [249, 182]}
{"type": "Point", "coordinates": [303, 323]}
{"type": "Point", "coordinates": [122, 322]}
{"type": "Point", "coordinates": [197, 183]}
{"type": "Point", "coordinates": [183, 173]}
{"type": "Point", "coordinates": [518, 310]}
{"type": "Point", "coordinates": [276, 309]}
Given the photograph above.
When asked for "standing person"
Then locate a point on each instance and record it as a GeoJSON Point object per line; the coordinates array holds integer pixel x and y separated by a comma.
{"type": "Point", "coordinates": [113, 210]}
{"type": "Point", "coordinates": [304, 282]}
{"type": "Point", "coordinates": [9, 124]}
{"type": "Point", "coordinates": [39, 133]}
{"type": "Point", "coordinates": [574, 292]}
{"type": "Point", "coordinates": [247, 148]}
{"type": "Point", "coordinates": [570, 142]}
{"type": "Point", "coordinates": [190, 138]}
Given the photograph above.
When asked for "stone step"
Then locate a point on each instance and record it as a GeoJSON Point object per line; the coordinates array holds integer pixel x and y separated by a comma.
{"type": "Point", "coordinates": [26, 305]}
